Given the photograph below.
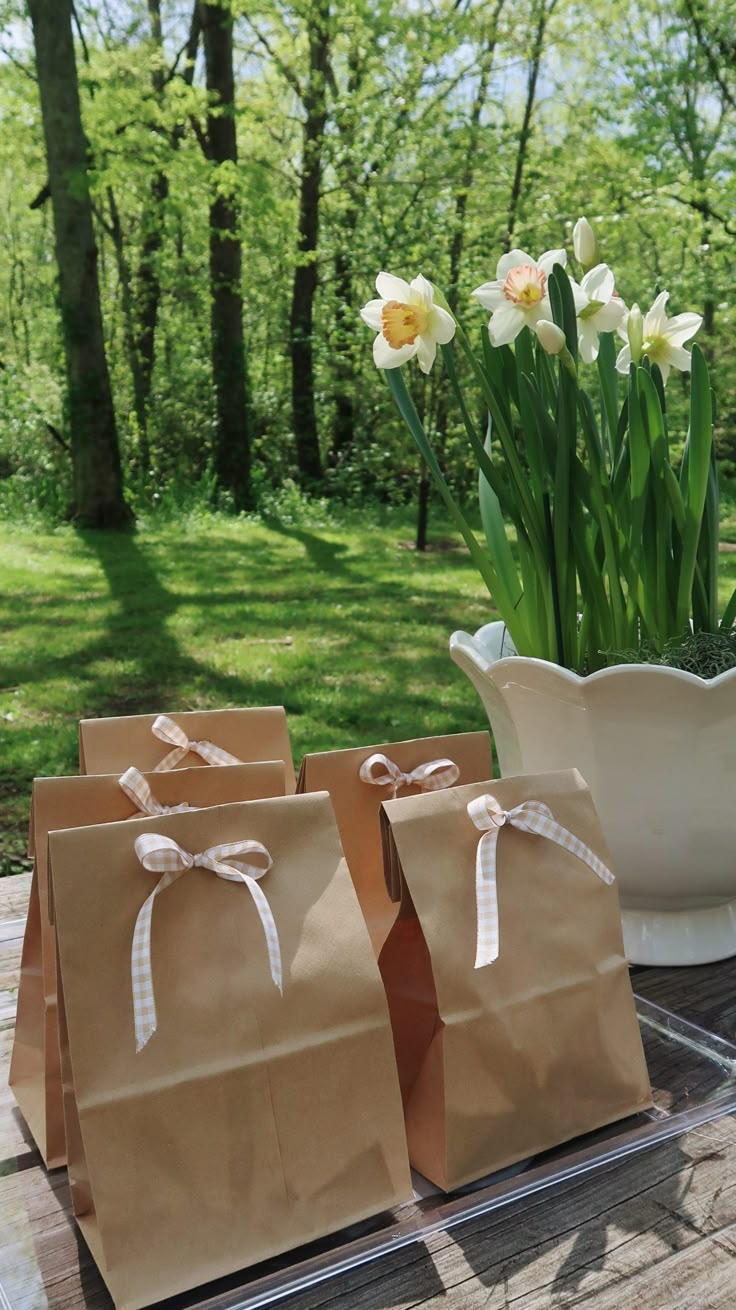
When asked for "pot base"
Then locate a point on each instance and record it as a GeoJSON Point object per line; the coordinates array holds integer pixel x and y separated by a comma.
{"type": "Point", "coordinates": [693, 936]}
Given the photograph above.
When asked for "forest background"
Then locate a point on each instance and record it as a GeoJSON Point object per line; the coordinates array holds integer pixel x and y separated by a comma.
{"type": "Point", "coordinates": [251, 165]}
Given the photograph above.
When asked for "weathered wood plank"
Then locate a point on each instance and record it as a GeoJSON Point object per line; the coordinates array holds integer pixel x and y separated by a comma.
{"type": "Point", "coordinates": [597, 1243]}
{"type": "Point", "coordinates": [14, 894]}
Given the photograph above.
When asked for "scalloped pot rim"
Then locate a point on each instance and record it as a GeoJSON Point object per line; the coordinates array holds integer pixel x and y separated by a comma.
{"type": "Point", "coordinates": [616, 671]}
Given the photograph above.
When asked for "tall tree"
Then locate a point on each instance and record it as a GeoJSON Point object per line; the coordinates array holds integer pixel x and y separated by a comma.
{"type": "Point", "coordinates": [304, 287]}
{"type": "Point", "coordinates": [148, 289]}
{"type": "Point", "coordinates": [229, 368]}
{"type": "Point", "coordinates": [457, 239]}
{"type": "Point", "coordinates": [542, 11]}
{"type": "Point", "coordinates": [715, 29]}
{"type": "Point", "coordinates": [97, 478]}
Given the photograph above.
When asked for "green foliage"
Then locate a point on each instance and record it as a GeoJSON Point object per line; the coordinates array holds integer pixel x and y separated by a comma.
{"type": "Point", "coordinates": [613, 549]}
{"type": "Point", "coordinates": [629, 116]}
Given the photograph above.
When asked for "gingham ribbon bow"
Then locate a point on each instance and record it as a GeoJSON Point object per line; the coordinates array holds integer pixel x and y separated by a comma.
{"type": "Point", "coordinates": [166, 730]}
{"type": "Point", "coordinates": [433, 776]}
{"type": "Point", "coordinates": [531, 816]}
{"type": "Point", "coordinates": [138, 791]}
{"type": "Point", "coordinates": [161, 854]}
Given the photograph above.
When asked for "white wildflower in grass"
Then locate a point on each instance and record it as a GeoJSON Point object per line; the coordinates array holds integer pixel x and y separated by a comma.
{"type": "Point", "coordinates": [408, 322]}
{"type": "Point", "coordinates": [663, 338]}
{"type": "Point", "coordinates": [598, 309]}
{"type": "Point", "coordinates": [518, 298]}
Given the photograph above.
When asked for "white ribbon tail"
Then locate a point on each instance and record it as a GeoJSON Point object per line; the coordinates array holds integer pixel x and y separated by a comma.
{"type": "Point", "coordinates": [486, 895]}
{"type": "Point", "coordinates": [144, 1003]}
{"type": "Point", "coordinates": [553, 830]}
{"type": "Point", "coordinates": [269, 928]}
{"type": "Point", "coordinates": [533, 818]}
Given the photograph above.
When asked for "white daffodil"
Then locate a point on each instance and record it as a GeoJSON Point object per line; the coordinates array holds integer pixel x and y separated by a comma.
{"type": "Point", "coordinates": [663, 339]}
{"type": "Point", "coordinates": [635, 332]}
{"type": "Point", "coordinates": [598, 309]}
{"type": "Point", "coordinates": [518, 298]}
{"type": "Point", "coordinates": [551, 337]}
{"type": "Point", "coordinates": [408, 322]}
{"type": "Point", "coordinates": [584, 244]}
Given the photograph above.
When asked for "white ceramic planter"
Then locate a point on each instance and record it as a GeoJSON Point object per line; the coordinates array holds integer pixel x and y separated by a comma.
{"type": "Point", "coordinates": [658, 750]}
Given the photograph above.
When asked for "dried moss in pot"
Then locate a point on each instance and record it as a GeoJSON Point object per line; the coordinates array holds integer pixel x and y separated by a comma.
{"type": "Point", "coordinates": [706, 654]}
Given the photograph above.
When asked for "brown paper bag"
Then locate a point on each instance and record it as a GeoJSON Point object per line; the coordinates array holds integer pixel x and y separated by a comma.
{"type": "Point", "coordinates": [238, 736]}
{"type": "Point", "coordinates": [71, 803]}
{"type": "Point", "coordinates": [501, 1062]}
{"type": "Point", "coordinates": [251, 1121]}
{"type": "Point", "coordinates": [358, 803]}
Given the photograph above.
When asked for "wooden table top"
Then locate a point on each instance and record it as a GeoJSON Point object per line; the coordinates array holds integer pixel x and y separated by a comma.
{"type": "Point", "coordinates": [657, 1230]}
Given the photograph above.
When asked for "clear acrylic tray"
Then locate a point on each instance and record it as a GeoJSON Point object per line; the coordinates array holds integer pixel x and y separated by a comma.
{"type": "Point", "coordinates": [693, 1077]}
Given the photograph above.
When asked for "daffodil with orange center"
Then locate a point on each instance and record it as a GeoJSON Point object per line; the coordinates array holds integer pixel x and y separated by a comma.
{"type": "Point", "coordinates": [407, 321]}
{"type": "Point", "coordinates": [518, 298]}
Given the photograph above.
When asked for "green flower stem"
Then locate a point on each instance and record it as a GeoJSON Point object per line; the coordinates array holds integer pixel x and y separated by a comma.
{"type": "Point", "coordinates": [405, 405]}
{"type": "Point", "coordinates": [600, 495]}
{"type": "Point", "coordinates": [518, 475]}
{"type": "Point", "coordinates": [553, 582]}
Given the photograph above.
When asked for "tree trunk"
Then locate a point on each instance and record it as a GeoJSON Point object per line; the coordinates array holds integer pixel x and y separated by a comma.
{"type": "Point", "coordinates": [423, 509]}
{"type": "Point", "coordinates": [229, 371]}
{"type": "Point", "coordinates": [457, 247]}
{"type": "Point", "coordinates": [457, 244]}
{"type": "Point", "coordinates": [115, 230]}
{"type": "Point", "coordinates": [301, 323]}
{"type": "Point", "coordinates": [342, 431]}
{"type": "Point", "coordinates": [148, 297]}
{"type": "Point", "coordinates": [97, 478]}
{"type": "Point", "coordinates": [541, 14]}
{"type": "Point", "coordinates": [148, 290]}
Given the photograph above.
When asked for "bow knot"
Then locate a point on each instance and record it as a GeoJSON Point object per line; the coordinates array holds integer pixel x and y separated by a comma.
{"type": "Point", "coordinates": [533, 817]}
{"type": "Point", "coordinates": [138, 791]}
{"type": "Point", "coordinates": [433, 776]}
{"type": "Point", "coordinates": [169, 732]}
{"type": "Point", "coordinates": [163, 855]}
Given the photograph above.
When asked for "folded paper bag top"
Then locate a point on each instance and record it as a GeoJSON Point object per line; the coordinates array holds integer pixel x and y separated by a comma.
{"type": "Point", "coordinates": [360, 778]}
{"type": "Point", "coordinates": [160, 742]}
{"type": "Point", "coordinates": [252, 1121]}
{"type": "Point", "coordinates": [57, 803]}
{"type": "Point", "coordinates": [541, 1043]}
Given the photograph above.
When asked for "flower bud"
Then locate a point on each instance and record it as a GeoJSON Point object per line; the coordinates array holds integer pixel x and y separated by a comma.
{"type": "Point", "coordinates": [551, 336]}
{"type": "Point", "coordinates": [583, 243]}
{"type": "Point", "coordinates": [635, 332]}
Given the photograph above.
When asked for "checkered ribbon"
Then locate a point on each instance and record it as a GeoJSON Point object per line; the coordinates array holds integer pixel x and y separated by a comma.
{"type": "Point", "coordinates": [433, 776]}
{"type": "Point", "coordinates": [163, 855]}
{"type": "Point", "coordinates": [166, 730]}
{"type": "Point", "coordinates": [533, 817]}
{"type": "Point", "coordinates": [138, 791]}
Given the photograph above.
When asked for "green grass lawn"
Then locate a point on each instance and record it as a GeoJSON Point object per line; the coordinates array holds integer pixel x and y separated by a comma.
{"type": "Point", "coordinates": [344, 625]}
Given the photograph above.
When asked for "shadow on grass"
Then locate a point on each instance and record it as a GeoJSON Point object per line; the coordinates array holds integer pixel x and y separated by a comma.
{"type": "Point", "coordinates": [324, 555]}
{"type": "Point", "coordinates": [139, 633]}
